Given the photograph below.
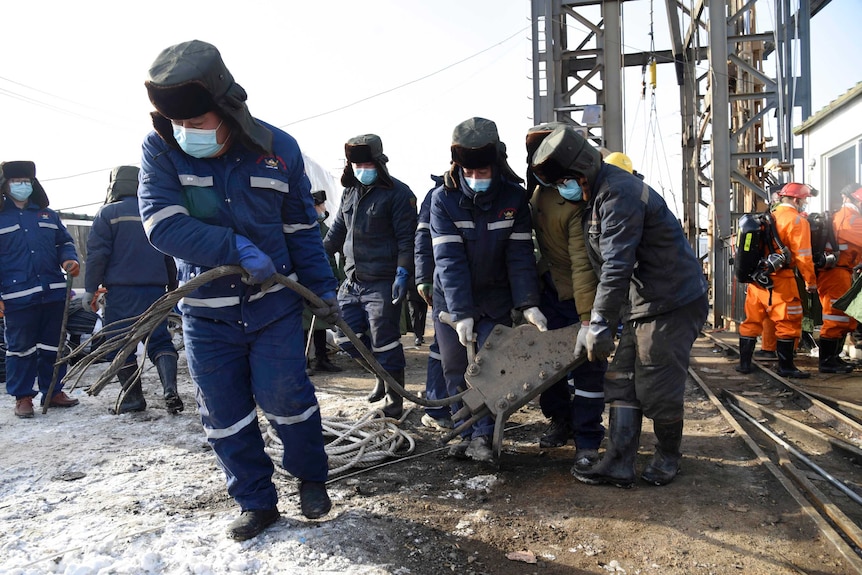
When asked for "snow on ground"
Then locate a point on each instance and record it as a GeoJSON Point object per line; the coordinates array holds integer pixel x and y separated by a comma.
{"type": "Point", "coordinates": [85, 492]}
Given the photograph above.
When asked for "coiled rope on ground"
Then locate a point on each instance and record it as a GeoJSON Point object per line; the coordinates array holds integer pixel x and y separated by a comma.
{"type": "Point", "coordinates": [352, 444]}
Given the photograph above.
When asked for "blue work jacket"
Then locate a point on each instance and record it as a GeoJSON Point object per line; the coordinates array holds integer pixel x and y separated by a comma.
{"type": "Point", "coordinates": [193, 207]}
{"type": "Point", "coordinates": [34, 243]}
{"type": "Point", "coordinates": [118, 252]}
{"type": "Point", "coordinates": [483, 251]}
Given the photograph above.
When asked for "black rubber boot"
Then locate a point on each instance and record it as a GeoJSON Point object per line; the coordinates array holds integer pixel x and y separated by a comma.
{"type": "Point", "coordinates": [321, 357]}
{"type": "Point", "coordinates": [617, 466]}
{"type": "Point", "coordinates": [746, 350]}
{"type": "Point", "coordinates": [830, 362]}
{"type": "Point", "coordinates": [166, 365]}
{"type": "Point", "coordinates": [379, 389]}
{"type": "Point", "coordinates": [133, 399]}
{"type": "Point", "coordinates": [786, 368]}
{"type": "Point", "coordinates": [665, 462]}
{"type": "Point", "coordinates": [313, 499]}
{"type": "Point", "coordinates": [394, 402]}
{"type": "Point", "coordinates": [251, 522]}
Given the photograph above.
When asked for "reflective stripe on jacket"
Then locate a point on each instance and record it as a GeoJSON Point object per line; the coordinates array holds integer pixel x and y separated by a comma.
{"type": "Point", "coordinates": [34, 243]}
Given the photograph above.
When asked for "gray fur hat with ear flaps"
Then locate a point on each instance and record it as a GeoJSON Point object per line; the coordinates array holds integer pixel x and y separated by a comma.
{"type": "Point", "coordinates": [476, 144]}
{"type": "Point", "coordinates": [190, 79]}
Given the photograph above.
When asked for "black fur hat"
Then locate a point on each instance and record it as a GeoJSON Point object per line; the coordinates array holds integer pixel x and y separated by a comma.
{"type": "Point", "coordinates": [22, 169]}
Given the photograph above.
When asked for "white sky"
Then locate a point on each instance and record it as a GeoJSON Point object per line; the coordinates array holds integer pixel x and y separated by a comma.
{"type": "Point", "coordinates": [72, 96]}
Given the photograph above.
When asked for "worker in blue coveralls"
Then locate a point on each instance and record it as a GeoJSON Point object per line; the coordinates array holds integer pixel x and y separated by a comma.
{"type": "Point", "coordinates": [36, 249]}
{"type": "Point", "coordinates": [649, 275]}
{"type": "Point", "coordinates": [568, 286]}
{"type": "Point", "coordinates": [374, 229]}
{"type": "Point", "coordinates": [135, 274]}
{"type": "Point", "coordinates": [219, 187]}
{"type": "Point", "coordinates": [435, 385]}
{"type": "Point", "coordinates": [484, 266]}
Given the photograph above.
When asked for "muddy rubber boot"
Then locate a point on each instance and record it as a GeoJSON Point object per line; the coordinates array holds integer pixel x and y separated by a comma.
{"type": "Point", "coordinates": [134, 395]}
{"type": "Point", "coordinates": [786, 368]}
{"type": "Point", "coordinates": [166, 365]}
{"type": "Point", "coordinates": [665, 462]}
{"type": "Point", "coordinates": [394, 402]}
{"type": "Point", "coordinates": [617, 466]}
{"type": "Point", "coordinates": [830, 362]}
{"type": "Point", "coordinates": [379, 389]}
{"type": "Point", "coordinates": [746, 351]}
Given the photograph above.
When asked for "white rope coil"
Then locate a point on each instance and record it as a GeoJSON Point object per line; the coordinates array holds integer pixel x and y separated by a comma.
{"type": "Point", "coordinates": [352, 444]}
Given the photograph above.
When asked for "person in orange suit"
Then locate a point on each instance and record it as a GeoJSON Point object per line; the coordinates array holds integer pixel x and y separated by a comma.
{"type": "Point", "coordinates": [782, 303]}
{"type": "Point", "coordinates": [834, 282]}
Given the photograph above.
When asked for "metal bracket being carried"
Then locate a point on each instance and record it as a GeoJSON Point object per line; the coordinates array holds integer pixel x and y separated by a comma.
{"type": "Point", "coordinates": [514, 365]}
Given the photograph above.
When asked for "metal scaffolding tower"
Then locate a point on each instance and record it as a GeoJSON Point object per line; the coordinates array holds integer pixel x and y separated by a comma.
{"type": "Point", "coordinates": [729, 104]}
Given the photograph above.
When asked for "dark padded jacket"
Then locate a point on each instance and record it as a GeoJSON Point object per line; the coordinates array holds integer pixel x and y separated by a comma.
{"type": "Point", "coordinates": [638, 248]}
{"type": "Point", "coordinates": [374, 229]}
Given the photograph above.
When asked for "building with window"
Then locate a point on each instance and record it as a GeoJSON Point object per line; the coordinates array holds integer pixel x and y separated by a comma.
{"type": "Point", "coordinates": [832, 144]}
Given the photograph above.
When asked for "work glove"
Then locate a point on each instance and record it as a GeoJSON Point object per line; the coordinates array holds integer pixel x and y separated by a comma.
{"type": "Point", "coordinates": [811, 288]}
{"type": "Point", "coordinates": [72, 268]}
{"type": "Point", "coordinates": [2, 308]}
{"type": "Point", "coordinates": [256, 264]}
{"type": "Point", "coordinates": [535, 316]}
{"type": "Point", "coordinates": [596, 339]}
{"type": "Point", "coordinates": [330, 312]}
{"type": "Point", "coordinates": [426, 291]}
{"type": "Point", "coordinates": [399, 286]}
{"type": "Point", "coordinates": [464, 329]}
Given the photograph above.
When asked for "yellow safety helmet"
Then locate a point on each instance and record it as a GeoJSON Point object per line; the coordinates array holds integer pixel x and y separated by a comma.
{"type": "Point", "coordinates": [621, 161]}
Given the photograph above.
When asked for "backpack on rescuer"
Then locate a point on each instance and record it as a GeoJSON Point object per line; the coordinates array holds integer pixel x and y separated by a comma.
{"type": "Point", "coordinates": [824, 246]}
{"type": "Point", "coordinates": [759, 250]}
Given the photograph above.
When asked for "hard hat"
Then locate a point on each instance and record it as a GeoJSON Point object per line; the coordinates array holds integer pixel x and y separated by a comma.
{"type": "Point", "coordinates": [621, 161]}
{"type": "Point", "coordinates": [795, 190]}
{"type": "Point", "coordinates": [857, 195]}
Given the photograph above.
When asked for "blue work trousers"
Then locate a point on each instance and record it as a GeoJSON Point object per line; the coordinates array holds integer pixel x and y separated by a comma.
{"type": "Point", "coordinates": [234, 372]}
{"type": "Point", "coordinates": [585, 406]}
{"type": "Point", "coordinates": [435, 385]}
{"type": "Point", "coordinates": [32, 335]}
{"type": "Point", "coordinates": [123, 305]}
{"type": "Point", "coordinates": [368, 309]}
{"type": "Point", "coordinates": [454, 358]}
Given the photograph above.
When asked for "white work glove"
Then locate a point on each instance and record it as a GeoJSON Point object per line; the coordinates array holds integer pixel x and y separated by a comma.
{"type": "Point", "coordinates": [464, 329]}
{"type": "Point", "coordinates": [535, 316]}
{"type": "Point", "coordinates": [595, 339]}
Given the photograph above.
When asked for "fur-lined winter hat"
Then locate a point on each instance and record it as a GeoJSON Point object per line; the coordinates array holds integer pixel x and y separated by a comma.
{"type": "Point", "coordinates": [536, 136]}
{"type": "Point", "coordinates": [22, 169]}
{"type": "Point", "coordinates": [364, 149]}
{"type": "Point", "coordinates": [476, 144]}
{"type": "Point", "coordinates": [190, 79]}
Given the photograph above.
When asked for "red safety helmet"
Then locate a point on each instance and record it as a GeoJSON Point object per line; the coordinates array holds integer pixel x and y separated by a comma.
{"type": "Point", "coordinates": [857, 195]}
{"type": "Point", "coordinates": [795, 190]}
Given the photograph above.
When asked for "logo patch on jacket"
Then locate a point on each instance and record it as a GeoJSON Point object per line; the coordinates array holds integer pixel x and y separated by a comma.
{"type": "Point", "coordinates": [44, 216]}
{"type": "Point", "coordinates": [272, 162]}
{"type": "Point", "coordinates": [507, 213]}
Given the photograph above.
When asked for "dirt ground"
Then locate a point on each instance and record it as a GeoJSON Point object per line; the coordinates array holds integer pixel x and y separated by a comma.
{"type": "Point", "coordinates": [724, 514]}
{"type": "Point", "coordinates": [84, 492]}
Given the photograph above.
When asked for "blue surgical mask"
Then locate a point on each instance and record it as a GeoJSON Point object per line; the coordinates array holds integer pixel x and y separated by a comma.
{"type": "Point", "coordinates": [198, 143]}
{"type": "Point", "coordinates": [366, 175]}
{"type": "Point", "coordinates": [571, 190]}
{"type": "Point", "coordinates": [20, 191]}
{"type": "Point", "coordinates": [478, 185]}
{"type": "Point", "coordinates": [322, 217]}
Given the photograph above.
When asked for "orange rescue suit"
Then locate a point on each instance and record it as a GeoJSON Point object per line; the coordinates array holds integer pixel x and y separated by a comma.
{"type": "Point", "coordinates": [786, 307]}
{"type": "Point", "coordinates": [833, 283]}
